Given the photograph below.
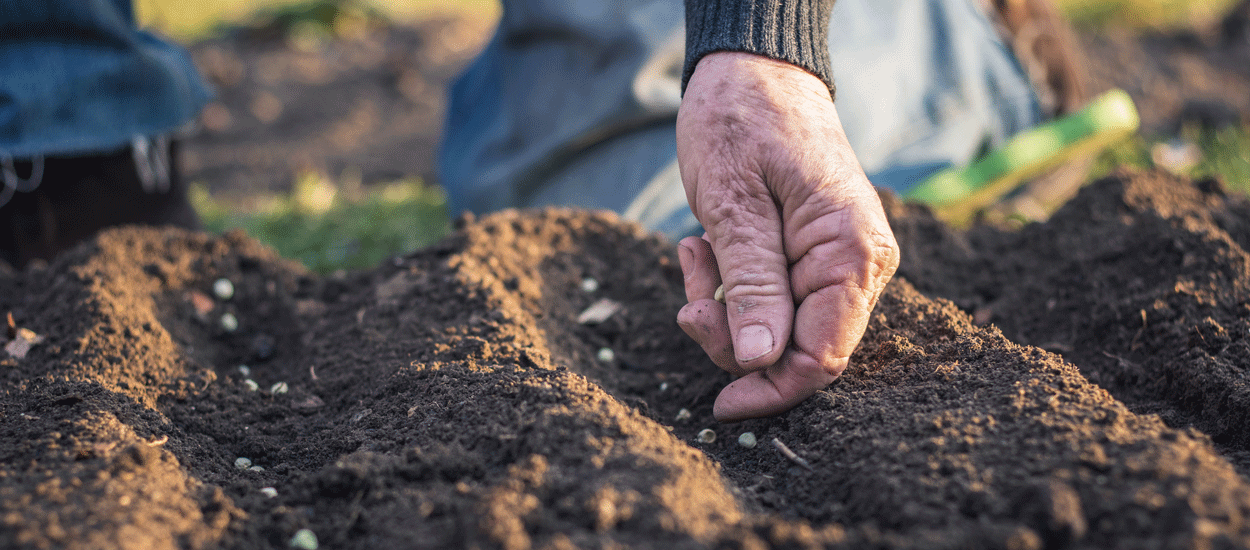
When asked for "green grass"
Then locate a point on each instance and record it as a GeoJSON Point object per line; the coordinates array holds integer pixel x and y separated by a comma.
{"type": "Point", "coordinates": [189, 20]}
{"type": "Point", "coordinates": [1157, 14]}
{"type": "Point", "coordinates": [1224, 154]}
{"type": "Point", "coordinates": [327, 229]}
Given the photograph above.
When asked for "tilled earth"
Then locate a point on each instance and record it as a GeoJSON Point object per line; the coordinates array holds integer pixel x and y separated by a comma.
{"type": "Point", "coordinates": [1081, 383]}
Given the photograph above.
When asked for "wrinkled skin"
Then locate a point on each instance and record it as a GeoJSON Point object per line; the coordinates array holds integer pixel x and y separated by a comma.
{"type": "Point", "coordinates": [794, 231]}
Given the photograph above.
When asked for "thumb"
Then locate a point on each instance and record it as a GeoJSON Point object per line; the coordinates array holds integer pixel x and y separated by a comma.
{"type": "Point", "coordinates": [747, 241]}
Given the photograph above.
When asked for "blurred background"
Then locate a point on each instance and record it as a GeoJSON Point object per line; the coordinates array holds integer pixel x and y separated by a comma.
{"type": "Point", "coordinates": [322, 138]}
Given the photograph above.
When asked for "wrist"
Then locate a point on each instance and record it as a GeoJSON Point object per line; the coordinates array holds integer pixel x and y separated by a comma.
{"type": "Point", "coordinates": [722, 72]}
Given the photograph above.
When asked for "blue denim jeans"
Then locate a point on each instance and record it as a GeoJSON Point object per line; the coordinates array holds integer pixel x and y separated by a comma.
{"type": "Point", "coordinates": [78, 77]}
{"type": "Point", "coordinates": [574, 102]}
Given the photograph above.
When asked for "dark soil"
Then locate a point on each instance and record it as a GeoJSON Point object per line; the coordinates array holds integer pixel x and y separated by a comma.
{"type": "Point", "coordinates": [450, 398]}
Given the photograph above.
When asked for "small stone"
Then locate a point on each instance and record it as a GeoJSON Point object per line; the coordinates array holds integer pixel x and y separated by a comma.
{"type": "Point", "coordinates": [279, 388]}
{"type": "Point", "coordinates": [747, 439]}
{"type": "Point", "coordinates": [223, 289]}
{"type": "Point", "coordinates": [589, 284]}
{"type": "Point", "coordinates": [256, 469]}
{"type": "Point", "coordinates": [242, 463]}
{"type": "Point", "coordinates": [706, 436]}
{"type": "Point", "coordinates": [304, 539]}
{"type": "Point", "coordinates": [683, 415]}
{"type": "Point", "coordinates": [269, 492]}
{"type": "Point", "coordinates": [201, 303]}
{"type": "Point", "coordinates": [311, 403]}
{"type": "Point", "coordinates": [251, 385]}
{"type": "Point", "coordinates": [606, 355]}
{"type": "Point", "coordinates": [245, 370]}
{"type": "Point", "coordinates": [229, 322]}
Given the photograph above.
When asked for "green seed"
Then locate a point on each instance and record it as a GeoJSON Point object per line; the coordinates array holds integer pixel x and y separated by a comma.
{"type": "Point", "coordinates": [707, 436]}
{"type": "Point", "coordinates": [223, 289]}
{"type": "Point", "coordinates": [747, 439]}
{"type": "Point", "coordinates": [304, 539]}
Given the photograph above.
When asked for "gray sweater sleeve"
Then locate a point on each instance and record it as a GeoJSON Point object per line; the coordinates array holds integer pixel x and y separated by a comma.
{"type": "Point", "coordinates": [795, 31]}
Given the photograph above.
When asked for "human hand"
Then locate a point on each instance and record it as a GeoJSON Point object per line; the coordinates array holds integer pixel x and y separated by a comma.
{"type": "Point", "coordinates": [795, 232]}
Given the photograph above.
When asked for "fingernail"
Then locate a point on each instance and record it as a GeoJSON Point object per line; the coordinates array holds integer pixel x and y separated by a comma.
{"type": "Point", "coordinates": [754, 341]}
{"type": "Point", "coordinates": [684, 256]}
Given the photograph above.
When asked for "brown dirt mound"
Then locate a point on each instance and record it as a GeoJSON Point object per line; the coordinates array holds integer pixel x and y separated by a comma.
{"type": "Point", "coordinates": [450, 398]}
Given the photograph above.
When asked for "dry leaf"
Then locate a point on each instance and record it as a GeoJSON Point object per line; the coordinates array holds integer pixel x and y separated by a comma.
{"type": "Point", "coordinates": [22, 343]}
{"type": "Point", "coordinates": [599, 312]}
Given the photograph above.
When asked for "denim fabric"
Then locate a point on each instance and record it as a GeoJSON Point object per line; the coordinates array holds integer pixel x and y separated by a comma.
{"type": "Point", "coordinates": [78, 77]}
{"type": "Point", "coordinates": [574, 102]}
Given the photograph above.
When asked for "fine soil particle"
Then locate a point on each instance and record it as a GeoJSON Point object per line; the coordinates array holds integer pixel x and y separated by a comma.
{"type": "Point", "coordinates": [1143, 281]}
{"type": "Point", "coordinates": [450, 398]}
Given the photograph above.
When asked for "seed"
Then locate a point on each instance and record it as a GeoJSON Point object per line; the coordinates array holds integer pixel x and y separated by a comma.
{"type": "Point", "coordinates": [304, 539]}
{"type": "Point", "coordinates": [229, 322]}
{"type": "Point", "coordinates": [279, 388]}
{"type": "Point", "coordinates": [223, 289]}
{"type": "Point", "coordinates": [747, 439]}
{"type": "Point", "coordinates": [683, 415]}
{"type": "Point", "coordinates": [663, 386]}
{"type": "Point", "coordinates": [606, 355]}
{"type": "Point", "coordinates": [256, 469]}
{"type": "Point", "coordinates": [245, 370]}
{"type": "Point", "coordinates": [720, 294]}
{"type": "Point", "coordinates": [589, 284]}
{"type": "Point", "coordinates": [707, 436]}
{"type": "Point", "coordinates": [242, 463]}
{"type": "Point", "coordinates": [251, 385]}
{"type": "Point", "coordinates": [269, 492]}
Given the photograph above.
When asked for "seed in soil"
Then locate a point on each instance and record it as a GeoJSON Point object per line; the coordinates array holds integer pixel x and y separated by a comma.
{"type": "Point", "coordinates": [223, 289]}
{"type": "Point", "coordinates": [707, 436]}
{"type": "Point", "coordinates": [269, 492]}
{"type": "Point", "coordinates": [663, 386]}
{"type": "Point", "coordinates": [229, 322]}
{"type": "Point", "coordinates": [245, 370]}
{"type": "Point", "coordinates": [251, 385]}
{"type": "Point", "coordinates": [242, 463]}
{"type": "Point", "coordinates": [279, 388]}
{"type": "Point", "coordinates": [304, 539]}
{"type": "Point", "coordinates": [589, 285]}
{"type": "Point", "coordinates": [683, 415]}
{"type": "Point", "coordinates": [606, 355]}
{"type": "Point", "coordinates": [747, 439]}
{"type": "Point", "coordinates": [256, 469]}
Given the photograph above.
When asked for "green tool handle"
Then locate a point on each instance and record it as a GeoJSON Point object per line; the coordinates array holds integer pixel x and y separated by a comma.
{"type": "Point", "coordinates": [1109, 118]}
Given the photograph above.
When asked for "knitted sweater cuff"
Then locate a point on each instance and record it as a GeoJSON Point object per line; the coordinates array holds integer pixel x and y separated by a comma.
{"type": "Point", "coordinates": [794, 31]}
